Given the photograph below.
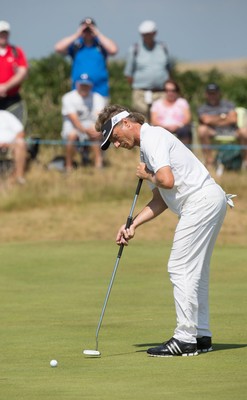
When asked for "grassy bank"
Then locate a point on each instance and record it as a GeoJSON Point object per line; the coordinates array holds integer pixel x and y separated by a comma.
{"type": "Point", "coordinates": [91, 204]}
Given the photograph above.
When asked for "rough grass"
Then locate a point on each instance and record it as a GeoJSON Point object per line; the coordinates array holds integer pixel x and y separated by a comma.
{"type": "Point", "coordinates": [91, 204]}
{"type": "Point", "coordinates": [228, 67]}
{"type": "Point", "coordinates": [52, 295]}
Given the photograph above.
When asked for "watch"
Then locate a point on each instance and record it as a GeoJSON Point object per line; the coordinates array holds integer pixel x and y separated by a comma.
{"type": "Point", "coordinates": [223, 116]}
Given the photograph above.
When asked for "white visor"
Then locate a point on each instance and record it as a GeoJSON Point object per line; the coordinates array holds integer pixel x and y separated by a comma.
{"type": "Point", "coordinates": [108, 128]}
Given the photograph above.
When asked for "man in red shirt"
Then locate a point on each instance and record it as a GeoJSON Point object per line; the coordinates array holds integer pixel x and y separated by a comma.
{"type": "Point", "coordinates": [13, 71]}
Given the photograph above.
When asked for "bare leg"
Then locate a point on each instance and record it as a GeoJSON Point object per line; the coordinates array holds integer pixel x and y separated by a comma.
{"type": "Point", "coordinates": [70, 151]}
{"type": "Point", "coordinates": [97, 155]}
{"type": "Point", "coordinates": [20, 155]}
{"type": "Point", "coordinates": [205, 135]}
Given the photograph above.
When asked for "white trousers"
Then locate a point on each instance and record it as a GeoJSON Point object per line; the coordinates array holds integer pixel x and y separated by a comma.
{"type": "Point", "coordinates": [200, 222]}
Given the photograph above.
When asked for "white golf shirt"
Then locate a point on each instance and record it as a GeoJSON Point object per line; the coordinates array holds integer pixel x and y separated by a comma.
{"type": "Point", "coordinates": [87, 109]}
{"type": "Point", "coordinates": [160, 148]}
{"type": "Point", "coordinates": [10, 126]}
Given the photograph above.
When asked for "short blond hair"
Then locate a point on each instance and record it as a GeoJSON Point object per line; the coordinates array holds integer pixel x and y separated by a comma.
{"type": "Point", "coordinates": [109, 111]}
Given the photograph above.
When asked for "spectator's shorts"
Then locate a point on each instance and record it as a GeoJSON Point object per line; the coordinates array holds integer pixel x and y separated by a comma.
{"type": "Point", "coordinates": [68, 129]}
{"type": "Point", "coordinates": [184, 132]}
{"type": "Point", "coordinates": [225, 131]}
{"type": "Point", "coordinates": [7, 137]}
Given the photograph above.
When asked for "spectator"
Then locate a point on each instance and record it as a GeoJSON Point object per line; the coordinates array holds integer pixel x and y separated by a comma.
{"type": "Point", "coordinates": [14, 69]}
{"type": "Point", "coordinates": [147, 68]}
{"type": "Point", "coordinates": [12, 137]}
{"type": "Point", "coordinates": [89, 49]}
{"type": "Point", "coordinates": [80, 108]}
{"type": "Point", "coordinates": [218, 117]}
{"type": "Point", "coordinates": [172, 112]}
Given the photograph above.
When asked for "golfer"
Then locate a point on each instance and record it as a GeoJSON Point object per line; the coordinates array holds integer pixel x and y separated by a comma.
{"type": "Point", "coordinates": [178, 181]}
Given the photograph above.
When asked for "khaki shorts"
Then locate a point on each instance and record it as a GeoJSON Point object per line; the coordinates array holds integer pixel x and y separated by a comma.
{"type": "Point", "coordinates": [139, 103]}
{"type": "Point", "coordinates": [68, 129]}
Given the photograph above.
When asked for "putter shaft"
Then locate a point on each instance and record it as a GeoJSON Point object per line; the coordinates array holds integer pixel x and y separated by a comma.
{"type": "Point", "coordinates": [128, 223]}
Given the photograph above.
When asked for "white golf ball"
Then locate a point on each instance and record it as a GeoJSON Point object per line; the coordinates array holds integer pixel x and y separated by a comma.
{"type": "Point", "coordinates": [53, 363]}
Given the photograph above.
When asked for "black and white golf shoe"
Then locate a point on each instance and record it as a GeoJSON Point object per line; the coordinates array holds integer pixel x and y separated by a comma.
{"type": "Point", "coordinates": [204, 344]}
{"type": "Point", "coordinates": [173, 348]}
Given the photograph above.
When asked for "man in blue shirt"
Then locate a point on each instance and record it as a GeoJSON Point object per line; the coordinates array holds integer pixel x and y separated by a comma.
{"type": "Point", "coordinates": [89, 50]}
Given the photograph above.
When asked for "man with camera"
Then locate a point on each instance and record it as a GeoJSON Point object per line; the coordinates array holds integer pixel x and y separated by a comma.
{"type": "Point", "coordinates": [89, 49]}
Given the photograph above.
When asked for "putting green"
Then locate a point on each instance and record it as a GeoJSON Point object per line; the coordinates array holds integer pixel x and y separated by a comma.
{"type": "Point", "coordinates": [52, 295]}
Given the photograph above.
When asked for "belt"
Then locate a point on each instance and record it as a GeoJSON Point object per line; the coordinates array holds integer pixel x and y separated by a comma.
{"type": "Point", "coordinates": [229, 198]}
{"type": "Point", "coordinates": [151, 90]}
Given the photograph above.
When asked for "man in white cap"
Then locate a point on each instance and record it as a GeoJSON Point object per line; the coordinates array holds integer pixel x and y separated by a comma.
{"type": "Point", "coordinates": [147, 68]}
{"type": "Point", "coordinates": [14, 69]}
{"type": "Point", "coordinates": [80, 108]}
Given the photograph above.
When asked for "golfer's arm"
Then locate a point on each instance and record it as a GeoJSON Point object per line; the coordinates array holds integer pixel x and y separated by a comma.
{"type": "Point", "coordinates": [163, 178]}
{"type": "Point", "coordinates": [154, 208]}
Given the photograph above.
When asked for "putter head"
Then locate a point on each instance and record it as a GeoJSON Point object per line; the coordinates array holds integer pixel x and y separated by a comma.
{"type": "Point", "coordinates": [93, 353]}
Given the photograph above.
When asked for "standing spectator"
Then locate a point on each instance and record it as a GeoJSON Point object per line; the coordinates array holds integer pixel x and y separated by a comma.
{"type": "Point", "coordinates": [89, 49]}
{"type": "Point", "coordinates": [13, 71]}
{"type": "Point", "coordinates": [80, 108]}
{"type": "Point", "coordinates": [172, 112]}
{"type": "Point", "coordinates": [12, 138]}
{"type": "Point", "coordinates": [218, 117]}
{"type": "Point", "coordinates": [147, 68]}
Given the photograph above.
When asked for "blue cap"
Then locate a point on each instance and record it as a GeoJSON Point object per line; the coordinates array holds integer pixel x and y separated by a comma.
{"type": "Point", "coordinates": [84, 80]}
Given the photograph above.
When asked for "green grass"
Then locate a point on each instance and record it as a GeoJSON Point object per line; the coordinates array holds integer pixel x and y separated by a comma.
{"type": "Point", "coordinates": [52, 295]}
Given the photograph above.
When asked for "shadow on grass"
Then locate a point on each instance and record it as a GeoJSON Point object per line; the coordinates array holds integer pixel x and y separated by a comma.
{"type": "Point", "coordinates": [216, 346]}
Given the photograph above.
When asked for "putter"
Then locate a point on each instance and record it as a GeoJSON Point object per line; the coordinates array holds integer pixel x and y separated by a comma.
{"type": "Point", "coordinates": [128, 223]}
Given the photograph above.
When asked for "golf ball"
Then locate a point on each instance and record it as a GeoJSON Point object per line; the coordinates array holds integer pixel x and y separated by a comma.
{"type": "Point", "coordinates": [53, 363]}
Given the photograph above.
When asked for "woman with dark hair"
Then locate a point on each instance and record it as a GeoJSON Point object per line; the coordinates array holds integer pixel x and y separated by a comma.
{"type": "Point", "coordinates": [172, 112]}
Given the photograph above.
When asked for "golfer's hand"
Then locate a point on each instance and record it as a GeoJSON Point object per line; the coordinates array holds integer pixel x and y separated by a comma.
{"type": "Point", "coordinates": [124, 235]}
{"type": "Point", "coordinates": [142, 171]}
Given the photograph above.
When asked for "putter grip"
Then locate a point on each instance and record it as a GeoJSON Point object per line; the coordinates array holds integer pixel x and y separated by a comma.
{"type": "Point", "coordinates": [139, 186]}
{"type": "Point", "coordinates": [129, 222]}
{"type": "Point", "coordinates": [130, 219]}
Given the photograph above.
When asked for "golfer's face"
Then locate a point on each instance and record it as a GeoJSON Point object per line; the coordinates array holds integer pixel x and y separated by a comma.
{"type": "Point", "coordinates": [122, 137]}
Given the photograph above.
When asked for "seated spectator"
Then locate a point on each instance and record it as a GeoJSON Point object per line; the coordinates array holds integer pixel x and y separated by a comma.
{"type": "Point", "coordinates": [80, 108]}
{"type": "Point", "coordinates": [172, 112]}
{"type": "Point", "coordinates": [12, 137]}
{"type": "Point", "coordinates": [218, 117]}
